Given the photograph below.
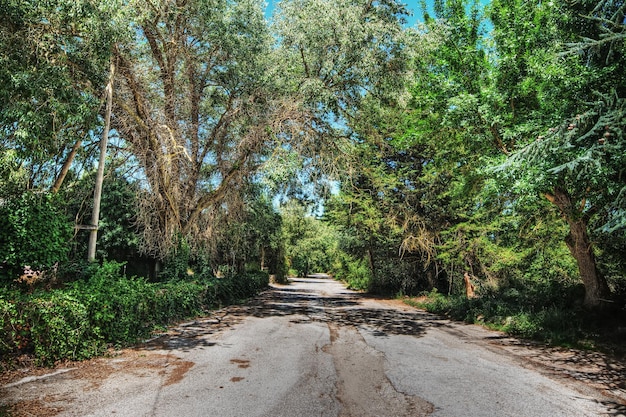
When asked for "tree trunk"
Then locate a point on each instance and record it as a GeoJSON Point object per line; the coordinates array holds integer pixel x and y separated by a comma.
{"type": "Point", "coordinates": [597, 290]}
{"type": "Point", "coordinates": [370, 259]}
{"type": "Point", "coordinates": [66, 167]}
{"type": "Point", "coordinates": [469, 287]}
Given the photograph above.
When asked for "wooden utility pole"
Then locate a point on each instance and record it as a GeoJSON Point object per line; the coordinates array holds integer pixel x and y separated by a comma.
{"type": "Point", "coordinates": [97, 195]}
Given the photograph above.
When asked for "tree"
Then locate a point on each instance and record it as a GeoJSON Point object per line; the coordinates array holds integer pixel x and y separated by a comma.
{"type": "Point", "coordinates": [419, 159]}
{"type": "Point", "coordinates": [193, 98]}
{"type": "Point", "coordinates": [310, 243]}
{"type": "Point", "coordinates": [53, 66]}
{"type": "Point", "coordinates": [250, 238]}
{"type": "Point", "coordinates": [34, 233]}
{"type": "Point", "coordinates": [202, 98]}
{"type": "Point", "coordinates": [571, 146]}
{"type": "Point", "coordinates": [334, 54]}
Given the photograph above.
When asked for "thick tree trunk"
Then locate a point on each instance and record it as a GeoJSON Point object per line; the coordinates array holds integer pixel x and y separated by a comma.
{"type": "Point", "coordinates": [596, 288]}
{"type": "Point", "coordinates": [597, 291]}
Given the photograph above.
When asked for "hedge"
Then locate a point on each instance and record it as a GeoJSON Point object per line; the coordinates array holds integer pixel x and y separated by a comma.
{"type": "Point", "coordinates": [86, 317]}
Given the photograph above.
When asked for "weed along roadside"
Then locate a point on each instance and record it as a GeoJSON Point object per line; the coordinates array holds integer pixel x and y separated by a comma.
{"type": "Point", "coordinates": [545, 318]}
{"type": "Point", "coordinates": [84, 318]}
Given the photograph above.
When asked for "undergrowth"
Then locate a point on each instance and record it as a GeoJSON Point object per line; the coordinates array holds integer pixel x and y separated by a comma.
{"type": "Point", "coordinates": [84, 318]}
{"type": "Point", "coordinates": [553, 317]}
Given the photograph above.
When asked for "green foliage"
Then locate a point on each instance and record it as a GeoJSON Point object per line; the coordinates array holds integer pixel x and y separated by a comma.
{"type": "Point", "coordinates": [541, 311]}
{"type": "Point", "coordinates": [542, 100]}
{"type": "Point", "coordinates": [311, 244]}
{"type": "Point", "coordinates": [33, 231]}
{"type": "Point", "coordinates": [354, 272]}
{"type": "Point", "coordinates": [237, 289]}
{"type": "Point", "coordinates": [14, 176]}
{"type": "Point", "coordinates": [60, 328]}
{"type": "Point", "coordinates": [177, 263]}
{"type": "Point", "coordinates": [118, 237]}
{"type": "Point", "coordinates": [568, 128]}
{"type": "Point", "coordinates": [121, 308]}
{"type": "Point", "coordinates": [53, 65]}
{"type": "Point", "coordinates": [50, 325]}
{"type": "Point", "coordinates": [82, 319]}
{"type": "Point", "coordinates": [12, 331]}
{"type": "Point", "coordinates": [251, 240]}
{"type": "Point", "coordinates": [336, 49]}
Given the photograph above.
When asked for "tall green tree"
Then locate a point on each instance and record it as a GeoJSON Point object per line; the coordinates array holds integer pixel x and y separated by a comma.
{"type": "Point", "coordinates": [53, 64]}
{"type": "Point", "coordinates": [193, 96]}
{"type": "Point", "coordinates": [568, 116]}
{"type": "Point", "coordinates": [423, 158]}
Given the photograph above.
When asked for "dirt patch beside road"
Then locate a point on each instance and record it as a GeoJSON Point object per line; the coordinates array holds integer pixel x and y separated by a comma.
{"type": "Point", "coordinates": [49, 392]}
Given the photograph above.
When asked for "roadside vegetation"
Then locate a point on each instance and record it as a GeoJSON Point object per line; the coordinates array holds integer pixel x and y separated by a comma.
{"type": "Point", "coordinates": [106, 309]}
{"type": "Point", "coordinates": [160, 158]}
{"type": "Point", "coordinates": [554, 317]}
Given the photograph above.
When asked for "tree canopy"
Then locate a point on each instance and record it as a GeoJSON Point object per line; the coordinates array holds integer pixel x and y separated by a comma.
{"type": "Point", "coordinates": [485, 141]}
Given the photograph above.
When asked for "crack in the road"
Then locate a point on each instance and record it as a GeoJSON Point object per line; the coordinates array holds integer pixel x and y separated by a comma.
{"type": "Point", "coordinates": [362, 386]}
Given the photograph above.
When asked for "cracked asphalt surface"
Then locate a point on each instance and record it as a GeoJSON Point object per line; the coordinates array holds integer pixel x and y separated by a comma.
{"type": "Point", "coordinates": [313, 348]}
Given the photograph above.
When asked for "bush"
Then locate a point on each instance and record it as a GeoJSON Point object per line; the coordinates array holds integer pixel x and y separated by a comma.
{"type": "Point", "coordinates": [82, 319]}
{"type": "Point", "coordinates": [34, 232]}
{"type": "Point", "coordinates": [235, 289]}
{"type": "Point", "coordinates": [50, 325]}
{"type": "Point", "coordinates": [353, 272]}
{"type": "Point", "coordinates": [60, 328]}
{"type": "Point", "coordinates": [11, 327]}
{"type": "Point", "coordinates": [545, 312]}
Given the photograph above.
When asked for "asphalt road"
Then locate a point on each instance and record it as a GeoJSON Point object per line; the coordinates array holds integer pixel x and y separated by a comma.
{"type": "Point", "coordinates": [313, 348]}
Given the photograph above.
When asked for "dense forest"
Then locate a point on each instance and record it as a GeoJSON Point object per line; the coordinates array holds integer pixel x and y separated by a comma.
{"type": "Point", "coordinates": [160, 157]}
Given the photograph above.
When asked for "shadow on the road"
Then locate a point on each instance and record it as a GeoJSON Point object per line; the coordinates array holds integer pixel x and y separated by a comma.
{"type": "Point", "coordinates": [614, 408]}
{"type": "Point", "coordinates": [344, 309]}
{"type": "Point", "coordinates": [302, 305]}
{"type": "Point", "coordinates": [594, 368]}
{"type": "Point", "coordinates": [188, 336]}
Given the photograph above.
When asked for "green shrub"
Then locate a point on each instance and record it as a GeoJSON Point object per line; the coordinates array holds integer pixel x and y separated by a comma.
{"type": "Point", "coordinates": [12, 329]}
{"type": "Point", "coordinates": [82, 319]}
{"type": "Point", "coordinates": [353, 272]}
{"type": "Point", "coordinates": [544, 312]}
{"type": "Point", "coordinates": [235, 289]}
{"type": "Point", "coordinates": [127, 309]}
{"type": "Point", "coordinates": [60, 328]}
{"type": "Point", "coordinates": [34, 232]}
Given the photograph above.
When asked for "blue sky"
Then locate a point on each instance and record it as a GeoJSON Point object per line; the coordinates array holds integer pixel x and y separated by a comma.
{"type": "Point", "coordinates": [413, 5]}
